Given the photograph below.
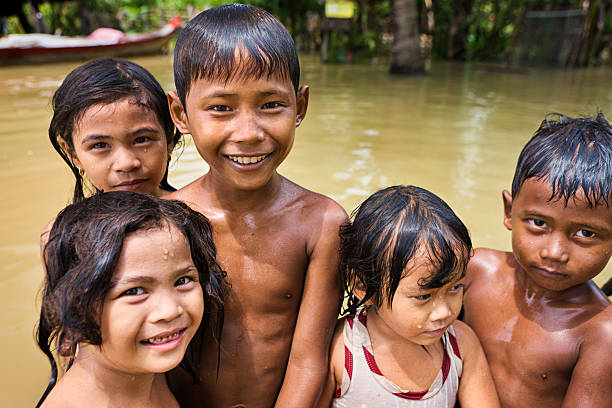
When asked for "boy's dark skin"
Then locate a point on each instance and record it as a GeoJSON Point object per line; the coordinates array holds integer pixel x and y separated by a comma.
{"type": "Point", "coordinates": [277, 241]}
{"type": "Point", "coordinates": [544, 325]}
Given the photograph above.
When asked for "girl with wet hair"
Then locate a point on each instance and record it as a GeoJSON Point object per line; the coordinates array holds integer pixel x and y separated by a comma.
{"type": "Point", "coordinates": [403, 260]}
{"type": "Point", "coordinates": [112, 126]}
{"type": "Point", "coordinates": [130, 280]}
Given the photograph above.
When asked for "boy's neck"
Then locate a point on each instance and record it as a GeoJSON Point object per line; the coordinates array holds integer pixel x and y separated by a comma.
{"type": "Point", "coordinates": [237, 200]}
{"type": "Point", "coordinates": [531, 293]}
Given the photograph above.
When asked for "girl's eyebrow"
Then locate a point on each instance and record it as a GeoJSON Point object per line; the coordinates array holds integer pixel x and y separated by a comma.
{"type": "Point", "coordinates": [133, 279]}
{"type": "Point", "coordinates": [145, 129]}
{"type": "Point", "coordinates": [92, 138]}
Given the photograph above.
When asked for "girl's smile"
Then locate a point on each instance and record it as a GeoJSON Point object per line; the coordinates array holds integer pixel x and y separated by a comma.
{"type": "Point", "coordinates": [155, 305]}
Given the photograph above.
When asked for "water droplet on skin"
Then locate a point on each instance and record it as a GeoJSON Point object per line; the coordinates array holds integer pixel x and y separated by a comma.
{"type": "Point", "coordinates": [544, 376]}
{"type": "Point", "coordinates": [419, 326]}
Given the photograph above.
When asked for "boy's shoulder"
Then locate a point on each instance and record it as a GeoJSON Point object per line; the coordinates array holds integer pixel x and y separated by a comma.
{"type": "Point", "coordinates": [490, 265]}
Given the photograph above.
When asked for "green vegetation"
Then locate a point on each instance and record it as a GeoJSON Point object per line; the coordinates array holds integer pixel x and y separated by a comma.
{"type": "Point", "coordinates": [450, 29]}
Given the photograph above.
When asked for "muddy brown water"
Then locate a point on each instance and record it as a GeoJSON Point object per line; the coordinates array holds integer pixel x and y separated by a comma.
{"type": "Point", "coordinates": [456, 132]}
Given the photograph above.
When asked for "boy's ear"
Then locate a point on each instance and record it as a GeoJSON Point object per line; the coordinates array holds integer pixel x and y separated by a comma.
{"type": "Point", "coordinates": [177, 111]}
{"type": "Point", "coordinates": [301, 104]}
{"type": "Point", "coordinates": [507, 199]}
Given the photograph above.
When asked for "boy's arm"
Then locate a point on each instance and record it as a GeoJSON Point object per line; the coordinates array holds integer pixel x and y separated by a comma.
{"type": "Point", "coordinates": [336, 367]}
{"type": "Point", "coordinates": [308, 361]}
{"type": "Point", "coordinates": [476, 388]}
{"type": "Point", "coordinates": [591, 381]}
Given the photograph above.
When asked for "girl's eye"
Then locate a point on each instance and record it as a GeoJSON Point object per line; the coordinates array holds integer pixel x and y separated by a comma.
{"type": "Point", "coordinates": [221, 108]}
{"type": "Point", "coordinates": [183, 280]}
{"type": "Point", "coordinates": [456, 287]}
{"type": "Point", "coordinates": [422, 298]}
{"type": "Point", "coordinates": [271, 105]}
{"type": "Point", "coordinates": [99, 145]}
{"type": "Point", "coordinates": [583, 233]}
{"type": "Point", "coordinates": [133, 292]}
{"type": "Point", "coordinates": [141, 139]}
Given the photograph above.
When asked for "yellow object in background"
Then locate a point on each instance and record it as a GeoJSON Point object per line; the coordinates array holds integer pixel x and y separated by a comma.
{"type": "Point", "coordinates": [339, 9]}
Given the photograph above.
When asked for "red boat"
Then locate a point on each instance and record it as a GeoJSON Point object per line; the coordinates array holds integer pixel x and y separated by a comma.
{"type": "Point", "coordinates": [103, 42]}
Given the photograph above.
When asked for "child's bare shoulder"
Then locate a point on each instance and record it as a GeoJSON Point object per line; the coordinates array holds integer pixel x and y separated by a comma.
{"type": "Point", "coordinates": [490, 265]}
{"type": "Point", "coordinates": [467, 341]}
{"type": "Point", "coordinates": [314, 208]}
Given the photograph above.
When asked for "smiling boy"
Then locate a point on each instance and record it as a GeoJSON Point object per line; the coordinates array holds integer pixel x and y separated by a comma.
{"type": "Point", "coordinates": [237, 75]}
{"type": "Point", "coordinates": [546, 328]}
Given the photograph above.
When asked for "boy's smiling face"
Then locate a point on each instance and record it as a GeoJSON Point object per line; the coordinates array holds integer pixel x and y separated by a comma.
{"type": "Point", "coordinates": [243, 128]}
{"type": "Point", "coordinates": [558, 246]}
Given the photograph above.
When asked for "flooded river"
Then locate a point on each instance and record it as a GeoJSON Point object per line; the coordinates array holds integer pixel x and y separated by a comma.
{"type": "Point", "coordinates": [456, 132]}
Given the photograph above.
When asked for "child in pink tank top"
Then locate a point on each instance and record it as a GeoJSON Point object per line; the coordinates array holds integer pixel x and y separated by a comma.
{"type": "Point", "coordinates": [403, 260]}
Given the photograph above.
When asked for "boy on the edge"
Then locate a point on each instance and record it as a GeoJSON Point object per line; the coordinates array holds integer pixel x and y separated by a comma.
{"type": "Point", "coordinates": [237, 74]}
{"type": "Point", "coordinates": [544, 325]}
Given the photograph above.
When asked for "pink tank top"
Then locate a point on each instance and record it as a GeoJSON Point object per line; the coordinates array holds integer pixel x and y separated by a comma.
{"type": "Point", "coordinates": [364, 386]}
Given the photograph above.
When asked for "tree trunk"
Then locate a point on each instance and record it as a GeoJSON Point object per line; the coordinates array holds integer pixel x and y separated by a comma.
{"type": "Point", "coordinates": [406, 55]}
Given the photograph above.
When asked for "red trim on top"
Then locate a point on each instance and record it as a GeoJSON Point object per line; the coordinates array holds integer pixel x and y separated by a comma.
{"type": "Point", "coordinates": [348, 362]}
{"type": "Point", "coordinates": [363, 318]}
{"type": "Point", "coordinates": [454, 345]}
{"type": "Point", "coordinates": [338, 393]}
{"type": "Point", "coordinates": [371, 362]}
{"type": "Point", "coordinates": [446, 363]}
{"type": "Point", "coordinates": [350, 321]}
{"type": "Point", "coordinates": [411, 395]}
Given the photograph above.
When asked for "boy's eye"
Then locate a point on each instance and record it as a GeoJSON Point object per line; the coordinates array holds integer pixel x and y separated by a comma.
{"type": "Point", "coordinates": [221, 108]}
{"type": "Point", "coordinates": [537, 223]}
{"type": "Point", "coordinates": [271, 105]}
{"type": "Point", "coordinates": [133, 292]}
{"type": "Point", "coordinates": [583, 233]}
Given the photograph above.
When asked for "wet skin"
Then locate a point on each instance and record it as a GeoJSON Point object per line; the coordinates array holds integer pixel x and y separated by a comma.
{"type": "Point", "coordinates": [121, 146]}
{"type": "Point", "coordinates": [406, 340]}
{"type": "Point", "coordinates": [545, 326]}
{"type": "Point", "coordinates": [149, 315]}
{"type": "Point", "coordinates": [277, 241]}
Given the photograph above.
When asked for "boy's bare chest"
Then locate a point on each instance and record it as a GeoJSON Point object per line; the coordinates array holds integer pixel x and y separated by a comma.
{"type": "Point", "coordinates": [529, 357]}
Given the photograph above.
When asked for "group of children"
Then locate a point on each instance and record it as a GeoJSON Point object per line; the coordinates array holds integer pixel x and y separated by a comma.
{"type": "Point", "coordinates": [226, 292]}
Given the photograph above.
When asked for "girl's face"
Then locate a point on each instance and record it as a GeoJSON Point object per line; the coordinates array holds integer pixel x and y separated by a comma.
{"type": "Point", "coordinates": [154, 306]}
{"type": "Point", "coordinates": [417, 314]}
{"type": "Point", "coordinates": [121, 146]}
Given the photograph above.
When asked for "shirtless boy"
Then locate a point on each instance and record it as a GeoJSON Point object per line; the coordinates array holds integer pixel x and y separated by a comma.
{"type": "Point", "coordinates": [546, 328]}
{"type": "Point", "coordinates": [237, 75]}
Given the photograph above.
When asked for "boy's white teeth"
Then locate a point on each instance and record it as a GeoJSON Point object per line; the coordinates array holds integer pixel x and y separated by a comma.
{"type": "Point", "coordinates": [247, 159]}
{"type": "Point", "coordinates": [158, 340]}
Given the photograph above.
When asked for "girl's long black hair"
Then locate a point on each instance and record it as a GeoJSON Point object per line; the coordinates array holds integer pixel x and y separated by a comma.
{"type": "Point", "coordinates": [102, 82]}
{"type": "Point", "coordinates": [84, 246]}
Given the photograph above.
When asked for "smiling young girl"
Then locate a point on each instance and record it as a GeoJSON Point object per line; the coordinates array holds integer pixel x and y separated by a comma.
{"type": "Point", "coordinates": [112, 126]}
{"type": "Point", "coordinates": [404, 259]}
{"type": "Point", "coordinates": [128, 278]}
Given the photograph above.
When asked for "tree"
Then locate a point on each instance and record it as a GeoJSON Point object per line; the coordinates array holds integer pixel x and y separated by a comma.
{"type": "Point", "coordinates": [406, 55]}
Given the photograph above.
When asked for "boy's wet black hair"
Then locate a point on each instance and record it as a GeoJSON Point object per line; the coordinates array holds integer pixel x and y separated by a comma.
{"type": "Point", "coordinates": [206, 48]}
{"type": "Point", "coordinates": [82, 253]}
{"type": "Point", "coordinates": [389, 229]}
{"type": "Point", "coordinates": [573, 154]}
{"type": "Point", "coordinates": [101, 82]}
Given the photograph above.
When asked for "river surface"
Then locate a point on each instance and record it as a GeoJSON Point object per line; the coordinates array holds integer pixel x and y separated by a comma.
{"type": "Point", "coordinates": [457, 132]}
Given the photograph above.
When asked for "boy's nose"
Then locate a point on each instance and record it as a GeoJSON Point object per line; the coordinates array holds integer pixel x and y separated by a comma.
{"type": "Point", "coordinates": [248, 129]}
{"type": "Point", "coordinates": [126, 161]}
{"type": "Point", "coordinates": [166, 308]}
{"type": "Point", "coordinates": [554, 249]}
